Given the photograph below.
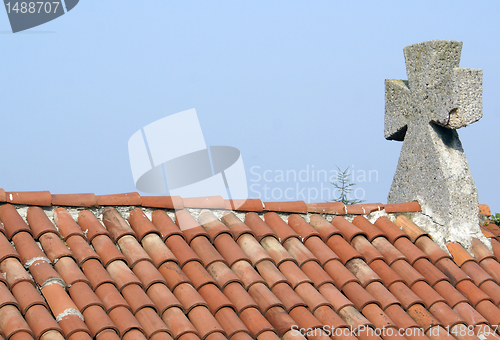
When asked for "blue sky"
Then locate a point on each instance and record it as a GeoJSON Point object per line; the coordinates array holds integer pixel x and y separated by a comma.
{"type": "Point", "coordinates": [294, 85]}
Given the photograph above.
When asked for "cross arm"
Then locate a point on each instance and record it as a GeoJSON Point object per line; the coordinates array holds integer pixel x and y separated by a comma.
{"type": "Point", "coordinates": [397, 107]}
{"type": "Point", "coordinates": [461, 99]}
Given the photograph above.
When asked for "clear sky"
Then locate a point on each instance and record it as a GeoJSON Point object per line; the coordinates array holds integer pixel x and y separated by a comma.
{"type": "Point", "coordinates": [294, 85]}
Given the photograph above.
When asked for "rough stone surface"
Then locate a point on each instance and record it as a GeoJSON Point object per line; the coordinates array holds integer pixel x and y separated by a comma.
{"type": "Point", "coordinates": [424, 112]}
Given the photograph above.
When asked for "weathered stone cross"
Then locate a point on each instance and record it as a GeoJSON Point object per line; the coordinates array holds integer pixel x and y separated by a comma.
{"type": "Point", "coordinates": [425, 112]}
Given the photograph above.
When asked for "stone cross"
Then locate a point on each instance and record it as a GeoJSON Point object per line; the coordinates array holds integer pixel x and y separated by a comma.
{"type": "Point", "coordinates": [424, 112]}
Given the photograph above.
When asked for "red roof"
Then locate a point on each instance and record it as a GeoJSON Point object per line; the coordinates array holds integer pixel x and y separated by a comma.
{"type": "Point", "coordinates": [134, 272]}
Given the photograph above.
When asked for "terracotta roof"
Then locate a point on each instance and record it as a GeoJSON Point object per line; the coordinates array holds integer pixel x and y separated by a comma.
{"type": "Point", "coordinates": [132, 271]}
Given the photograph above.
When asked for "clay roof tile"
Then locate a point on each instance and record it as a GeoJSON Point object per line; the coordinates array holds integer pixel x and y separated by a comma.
{"type": "Point", "coordinates": [189, 226]}
{"type": "Point", "coordinates": [326, 208]}
{"type": "Point", "coordinates": [409, 250]}
{"type": "Point", "coordinates": [12, 221]}
{"type": "Point", "coordinates": [389, 252]}
{"type": "Point", "coordinates": [40, 198]}
{"type": "Point", "coordinates": [484, 209]}
{"type": "Point", "coordinates": [343, 249]}
{"type": "Point", "coordinates": [363, 208]}
{"type": "Point", "coordinates": [39, 222]}
{"type": "Point", "coordinates": [116, 224]}
{"type": "Point", "coordinates": [107, 250]}
{"type": "Point", "coordinates": [431, 249]}
{"type": "Point", "coordinates": [325, 229]}
{"type": "Point", "coordinates": [495, 246]}
{"type": "Point", "coordinates": [320, 250]}
{"type": "Point", "coordinates": [365, 248]}
{"type": "Point", "coordinates": [250, 204]}
{"type": "Point", "coordinates": [391, 231]}
{"type": "Point", "coordinates": [480, 251]}
{"type": "Point", "coordinates": [280, 228]}
{"type": "Point", "coordinates": [459, 254]}
{"type": "Point", "coordinates": [402, 207]}
{"type": "Point", "coordinates": [371, 231]}
{"type": "Point", "coordinates": [165, 225]}
{"type": "Point", "coordinates": [129, 198]}
{"type": "Point", "coordinates": [209, 202]}
{"type": "Point", "coordinates": [66, 224]}
{"type": "Point", "coordinates": [288, 296]}
{"type": "Point", "coordinates": [387, 275]}
{"type": "Point", "coordinates": [141, 224]}
{"type": "Point", "coordinates": [258, 226]}
{"type": "Point", "coordinates": [212, 225]}
{"type": "Point", "coordinates": [74, 200]}
{"type": "Point", "coordinates": [236, 226]}
{"type": "Point", "coordinates": [165, 202]}
{"type": "Point", "coordinates": [410, 228]}
{"type": "Point", "coordinates": [91, 226]}
{"type": "Point", "coordinates": [301, 227]}
{"type": "Point", "coordinates": [347, 229]}
{"type": "Point", "coordinates": [289, 207]}
{"type": "Point", "coordinates": [6, 249]}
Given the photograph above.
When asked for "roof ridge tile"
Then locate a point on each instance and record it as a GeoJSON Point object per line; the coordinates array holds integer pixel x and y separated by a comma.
{"type": "Point", "coordinates": [128, 198]}
{"type": "Point", "coordinates": [74, 200]}
{"type": "Point", "coordinates": [413, 206]}
{"type": "Point", "coordinates": [363, 208]}
{"type": "Point", "coordinates": [249, 204]}
{"type": "Point", "coordinates": [326, 208]}
{"type": "Point", "coordinates": [165, 202]}
{"type": "Point", "coordinates": [207, 202]}
{"type": "Point", "coordinates": [42, 198]}
{"type": "Point", "coordinates": [289, 206]}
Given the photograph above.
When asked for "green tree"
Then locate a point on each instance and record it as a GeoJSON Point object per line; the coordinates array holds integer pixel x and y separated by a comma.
{"type": "Point", "coordinates": [345, 187]}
